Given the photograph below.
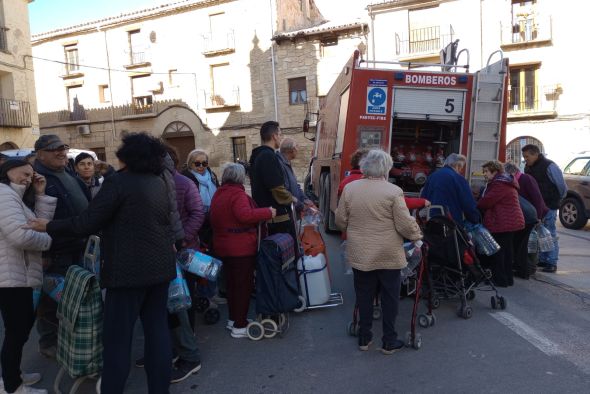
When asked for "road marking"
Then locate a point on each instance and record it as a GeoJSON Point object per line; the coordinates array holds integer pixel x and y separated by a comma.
{"type": "Point", "coordinates": [527, 332]}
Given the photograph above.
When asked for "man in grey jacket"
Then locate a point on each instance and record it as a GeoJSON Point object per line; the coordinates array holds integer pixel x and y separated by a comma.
{"type": "Point", "coordinates": [287, 153]}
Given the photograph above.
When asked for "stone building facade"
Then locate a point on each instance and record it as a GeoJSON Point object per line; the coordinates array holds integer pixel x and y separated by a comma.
{"type": "Point", "coordinates": [19, 123]}
{"type": "Point", "coordinates": [198, 73]}
{"type": "Point", "coordinates": [547, 104]}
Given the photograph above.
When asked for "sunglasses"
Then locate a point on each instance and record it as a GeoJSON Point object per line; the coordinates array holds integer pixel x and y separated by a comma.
{"type": "Point", "coordinates": [200, 163]}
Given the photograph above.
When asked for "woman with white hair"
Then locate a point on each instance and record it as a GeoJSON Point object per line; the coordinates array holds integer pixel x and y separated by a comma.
{"type": "Point", "coordinates": [374, 214]}
{"type": "Point", "coordinates": [234, 220]}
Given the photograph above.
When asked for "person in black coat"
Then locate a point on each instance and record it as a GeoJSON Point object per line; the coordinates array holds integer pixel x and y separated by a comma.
{"type": "Point", "coordinates": [132, 211]}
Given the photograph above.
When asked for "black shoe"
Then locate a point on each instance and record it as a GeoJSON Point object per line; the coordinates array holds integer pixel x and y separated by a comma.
{"type": "Point", "coordinates": [550, 268]}
{"type": "Point", "coordinates": [364, 344]}
{"type": "Point", "coordinates": [183, 369]}
{"type": "Point", "coordinates": [390, 348]}
{"type": "Point", "coordinates": [541, 264]}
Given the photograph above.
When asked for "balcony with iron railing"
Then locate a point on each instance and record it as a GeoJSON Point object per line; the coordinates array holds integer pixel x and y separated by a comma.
{"type": "Point", "coordinates": [3, 40]}
{"type": "Point", "coordinates": [72, 70]}
{"type": "Point", "coordinates": [222, 99]}
{"type": "Point", "coordinates": [14, 113]}
{"type": "Point", "coordinates": [526, 31]}
{"type": "Point", "coordinates": [218, 43]}
{"type": "Point", "coordinates": [533, 101]}
{"type": "Point", "coordinates": [138, 58]}
{"type": "Point", "coordinates": [424, 41]}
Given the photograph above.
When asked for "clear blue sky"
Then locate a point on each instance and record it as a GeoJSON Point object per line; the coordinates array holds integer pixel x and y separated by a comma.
{"type": "Point", "coordinates": [48, 15]}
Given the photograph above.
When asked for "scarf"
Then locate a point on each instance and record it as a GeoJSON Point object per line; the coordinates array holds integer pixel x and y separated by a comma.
{"type": "Point", "coordinates": [206, 187]}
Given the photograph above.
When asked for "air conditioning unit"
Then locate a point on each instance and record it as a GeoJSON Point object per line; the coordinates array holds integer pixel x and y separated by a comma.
{"type": "Point", "coordinates": [83, 129]}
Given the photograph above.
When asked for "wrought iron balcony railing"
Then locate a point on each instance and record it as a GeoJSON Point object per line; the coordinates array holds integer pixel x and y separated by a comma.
{"type": "Point", "coordinates": [527, 29]}
{"type": "Point", "coordinates": [15, 113]}
{"type": "Point", "coordinates": [423, 40]}
{"type": "Point", "coordinates": [533, 99]}
{"type": "Point", "coordinates": [3, 40]}
{"type": "Point", "coordinates": [219, 42]}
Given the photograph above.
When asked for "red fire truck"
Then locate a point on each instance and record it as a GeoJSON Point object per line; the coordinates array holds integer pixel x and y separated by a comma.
{"type": "Point", "coordinates": [420, 113]}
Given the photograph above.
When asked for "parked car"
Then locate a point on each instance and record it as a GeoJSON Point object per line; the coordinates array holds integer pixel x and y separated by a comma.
{"type": "Point", "coordinates": [574, 210]}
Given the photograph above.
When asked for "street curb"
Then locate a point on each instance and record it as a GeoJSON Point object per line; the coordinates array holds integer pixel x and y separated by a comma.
{"type": "Point", "coordinates": [573, 235]}
{"type": "Point", "coordinates": [546, 278]}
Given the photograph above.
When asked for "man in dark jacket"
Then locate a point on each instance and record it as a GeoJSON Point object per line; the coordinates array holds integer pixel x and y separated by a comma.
{"type": "Point", "coordinates": [447, 187]}
{"type": "Point", "coordinates": [268, 182]}
{"type": "Point", "coordinates": [553, 189]}
{"type": "Point", "coordinates": [72, 198]}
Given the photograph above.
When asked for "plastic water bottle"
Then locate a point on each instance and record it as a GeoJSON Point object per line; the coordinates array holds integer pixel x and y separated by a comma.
{"type": "Point", "coordinates": [53, 286]}
{"type": "Point", "coordinates": [178, 294]}
{"type": "Point", "coordinates": [199, 264]}
{"type": "Point", "coordinates": [545, 239]}
{"type": "Point", "coordinates": [533, 244]}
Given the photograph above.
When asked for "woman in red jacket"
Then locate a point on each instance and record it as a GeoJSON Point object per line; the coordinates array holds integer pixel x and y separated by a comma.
{"type": "Point", "coordinates": [503, 217]}
{"type": "Point", "coordinates": [234, 219]}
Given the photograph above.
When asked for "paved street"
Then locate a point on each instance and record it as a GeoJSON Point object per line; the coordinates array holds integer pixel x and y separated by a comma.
{"type": "Point", "coordinates": [541, 343]}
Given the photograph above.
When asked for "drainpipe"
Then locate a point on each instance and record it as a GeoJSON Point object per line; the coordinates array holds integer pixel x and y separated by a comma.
{"type": "Point", "coordinates": [372, 16]}
{"type": "Point", "coordinates": [480, 34]}
{"type": "Point", "coordinates": [106, 46]}
{"type": "Point", "coordinates": [272, 60]}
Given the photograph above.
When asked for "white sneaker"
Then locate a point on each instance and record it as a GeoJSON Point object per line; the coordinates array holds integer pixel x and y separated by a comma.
{"type": "Point", "coordinates": [239, 332]}
{"type": "Point", "coordinates": [29, 390]}
{"type": "Point", "coordinates": [230, 323]}
{"type": "Point", "coordinates": [30, 379]}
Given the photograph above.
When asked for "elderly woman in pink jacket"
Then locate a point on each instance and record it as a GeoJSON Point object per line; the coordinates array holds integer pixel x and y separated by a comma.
{"type": "Point", "coordinates": [22, 197]}
{"type": "Point", "coordinates": [374, 215]}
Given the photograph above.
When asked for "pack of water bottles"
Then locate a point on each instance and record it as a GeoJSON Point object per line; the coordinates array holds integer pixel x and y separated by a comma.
{"type": "Point", "coordinates": [179, 297]}
{"type": "Point", "coordinates": [533, 244]}
{"type": "Point", "coordinates": [413, 257]}
{"type": "Point", "coordinates": [545, 239]}
{"type": "Point", "coordinates": [199, 264]}
{"type": "Point", "coordinates": [53, 286]}
{"type": "Point", "coordinates": [482, 238]}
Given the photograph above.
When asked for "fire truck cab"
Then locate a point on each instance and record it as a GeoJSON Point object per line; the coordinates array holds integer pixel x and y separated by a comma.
{"type": "Point", "coordinates": [420, 113]}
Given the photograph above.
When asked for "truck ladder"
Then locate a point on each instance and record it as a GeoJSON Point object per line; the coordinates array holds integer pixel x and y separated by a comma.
{"type": "Point", "coordinates": [488, 107]}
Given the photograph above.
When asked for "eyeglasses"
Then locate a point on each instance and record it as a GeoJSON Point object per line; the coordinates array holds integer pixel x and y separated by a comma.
{"type": "Point", "coordinates": [200, 163]}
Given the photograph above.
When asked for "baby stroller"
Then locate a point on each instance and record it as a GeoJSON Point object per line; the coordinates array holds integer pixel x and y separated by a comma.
{"type": "Point", "coordinates": [276, 287]}
{"type": "Point", "coordinates": [455, 270]}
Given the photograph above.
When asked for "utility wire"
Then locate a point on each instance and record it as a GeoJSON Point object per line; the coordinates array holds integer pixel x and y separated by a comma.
{"type": "Point", "coordinates": [105, 68]}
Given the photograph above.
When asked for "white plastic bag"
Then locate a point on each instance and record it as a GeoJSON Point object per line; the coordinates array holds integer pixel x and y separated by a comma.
{"type": "Point", "coordinates": [344, 259]}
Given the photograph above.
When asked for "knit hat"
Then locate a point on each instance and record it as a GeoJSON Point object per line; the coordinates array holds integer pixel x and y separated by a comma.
{"type": "Point", "coordinates": [82, 156]}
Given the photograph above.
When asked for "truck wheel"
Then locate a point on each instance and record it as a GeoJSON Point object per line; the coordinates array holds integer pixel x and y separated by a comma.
{"type": "Point", "coordinates": [572, 214]}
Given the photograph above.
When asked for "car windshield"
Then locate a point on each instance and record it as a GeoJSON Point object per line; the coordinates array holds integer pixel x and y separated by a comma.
{"type": "Point", "coordinates": [577, 166]}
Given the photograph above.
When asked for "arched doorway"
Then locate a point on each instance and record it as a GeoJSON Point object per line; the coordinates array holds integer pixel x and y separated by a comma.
{"type": "Point", "coordinates": [514, 152]}
{"type": "Point", "coordinates": [8, 146]}
{"type": "Point", "coordinates": [180, 136]}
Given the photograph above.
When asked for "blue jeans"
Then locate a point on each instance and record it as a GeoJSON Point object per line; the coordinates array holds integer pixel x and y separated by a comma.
{"type": "Point", "coordinates": [549, 221]}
